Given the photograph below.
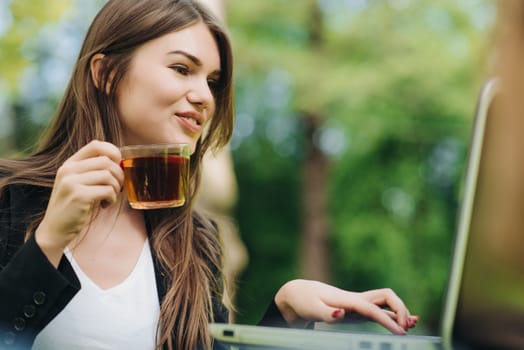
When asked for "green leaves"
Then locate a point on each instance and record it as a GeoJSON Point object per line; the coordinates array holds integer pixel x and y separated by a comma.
{"type": "Point", "coordinates": [398, 80]}
{"type": "Point", "coordinates": [27, 18]}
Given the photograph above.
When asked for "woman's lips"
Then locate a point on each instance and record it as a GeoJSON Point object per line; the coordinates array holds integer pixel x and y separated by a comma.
{"type": "Point", "coordinates": [189, 122]}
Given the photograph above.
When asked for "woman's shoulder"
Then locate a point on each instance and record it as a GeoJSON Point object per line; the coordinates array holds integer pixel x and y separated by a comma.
{"type": "Point", "coordinates": [4, 173]}
{"type": "Point", "coordinates": [23, 190]}
{"type": "Point", "coordinates": [25, 198]}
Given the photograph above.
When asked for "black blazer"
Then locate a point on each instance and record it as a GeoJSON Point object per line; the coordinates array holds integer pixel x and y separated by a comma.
{"type": "Point", "coordinates": [32, 290]}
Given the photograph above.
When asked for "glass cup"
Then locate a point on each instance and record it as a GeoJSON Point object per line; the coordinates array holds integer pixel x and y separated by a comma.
{"type": "Point", "coordinates": [156, 176]}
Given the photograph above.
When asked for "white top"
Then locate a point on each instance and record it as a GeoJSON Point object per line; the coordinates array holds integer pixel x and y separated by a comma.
{"type": "Point", "coordinates": [122, 317]}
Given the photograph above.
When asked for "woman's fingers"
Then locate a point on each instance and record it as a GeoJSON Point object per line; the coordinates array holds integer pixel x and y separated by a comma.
{"type": "Point", "coordinates": [397, 318]}
{"type": "Point", "coordinates": [412, 319]}
{"type": "Point", "coordinates": [375, 313]}
{"type": "Point", "coordinates": [370, 305]}
{"type": "Point", "coordinates": [386, 297]}
{"type": "Point", "coordinates": [97, 163]}
{"type": "Point", "coordinates": [94, 163]}
{"type": "Point", "coordinates": [111, 176]}
{"type": "Point", "coordinates": [105, 195]}
{"type": "Point", "coordinates": [97, 148]}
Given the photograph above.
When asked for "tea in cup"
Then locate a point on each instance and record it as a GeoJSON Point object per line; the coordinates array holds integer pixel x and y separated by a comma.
{"type": "Point", "coordinates": [156, 176]}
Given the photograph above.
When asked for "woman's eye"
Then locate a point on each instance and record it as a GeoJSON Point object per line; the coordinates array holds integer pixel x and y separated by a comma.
{"type": "Point", "coordinates": [213, 84]}
{"type": "Point", "coordinates": [180, 69]}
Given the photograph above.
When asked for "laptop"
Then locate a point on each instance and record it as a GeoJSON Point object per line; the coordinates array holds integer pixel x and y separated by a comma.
{"type": "Point", "coordinates": [484, 304]}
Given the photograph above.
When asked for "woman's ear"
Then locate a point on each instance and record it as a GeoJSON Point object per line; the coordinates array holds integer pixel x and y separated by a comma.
{"type": "Point", "coordinates": [94, 66]}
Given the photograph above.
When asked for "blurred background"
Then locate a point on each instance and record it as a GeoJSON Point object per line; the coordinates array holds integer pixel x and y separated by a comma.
{"type": "Point", "coordinates": [352, 127]}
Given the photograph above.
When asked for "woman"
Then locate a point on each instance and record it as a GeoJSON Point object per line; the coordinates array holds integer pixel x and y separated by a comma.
{"type": "Point", "coordinates": [149, 71]}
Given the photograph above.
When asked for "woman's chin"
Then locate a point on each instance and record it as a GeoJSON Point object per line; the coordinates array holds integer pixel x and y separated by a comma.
{"type": "Point", "coordinates": [191, 143]}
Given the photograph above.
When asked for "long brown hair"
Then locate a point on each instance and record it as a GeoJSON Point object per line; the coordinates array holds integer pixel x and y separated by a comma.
{"type": "Point", "coordinates": [185, 243]}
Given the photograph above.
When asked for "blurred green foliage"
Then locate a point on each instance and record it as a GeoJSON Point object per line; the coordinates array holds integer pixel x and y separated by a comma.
{"type": "Point", "coordinates": [396, 81]}
{"type": "Point", "coordinates": [39, 41]}
{"type": "Point", "coordinates": [29, 16]}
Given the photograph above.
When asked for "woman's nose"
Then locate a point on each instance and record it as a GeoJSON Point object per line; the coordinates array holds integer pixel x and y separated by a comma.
{"type": "Point", "coordinates": [200, 94]}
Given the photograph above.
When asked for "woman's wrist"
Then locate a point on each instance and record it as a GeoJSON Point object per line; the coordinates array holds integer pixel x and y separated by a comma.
{"type": "Point", "coordinates": [282, 301]}
{"type": "Point", "coordinates": [52, 247]}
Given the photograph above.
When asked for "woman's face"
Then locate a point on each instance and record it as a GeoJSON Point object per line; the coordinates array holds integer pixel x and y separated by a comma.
{"type": "Point", "coordinates": [167, 95]}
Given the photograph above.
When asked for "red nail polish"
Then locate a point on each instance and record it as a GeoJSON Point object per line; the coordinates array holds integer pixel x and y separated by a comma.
{"type": "Point", "coordinates": [336, 313]}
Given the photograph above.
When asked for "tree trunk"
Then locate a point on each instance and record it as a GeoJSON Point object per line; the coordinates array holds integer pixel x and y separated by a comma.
{"type": "Point", "coordinates": [314, 254]}
{"type": "Point", "coordinates": [315, 233]}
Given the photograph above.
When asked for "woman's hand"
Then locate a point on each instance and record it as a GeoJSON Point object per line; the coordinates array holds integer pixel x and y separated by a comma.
{"type": "Point", "coordinates": [90, 177]}
{"type": "Point", "coordinates": [303, 300]}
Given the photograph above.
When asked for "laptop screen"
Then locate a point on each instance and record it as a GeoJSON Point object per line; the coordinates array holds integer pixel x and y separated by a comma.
{"type": "Point", "coordinates": [490, 308]}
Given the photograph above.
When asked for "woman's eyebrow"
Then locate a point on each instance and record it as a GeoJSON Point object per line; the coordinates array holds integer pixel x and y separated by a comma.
{"type": "Point", "coordinates": [192, 58]}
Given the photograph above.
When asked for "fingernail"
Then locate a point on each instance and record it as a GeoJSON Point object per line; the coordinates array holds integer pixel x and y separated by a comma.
{"type": "Point", "coordinates": [336, 313]}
